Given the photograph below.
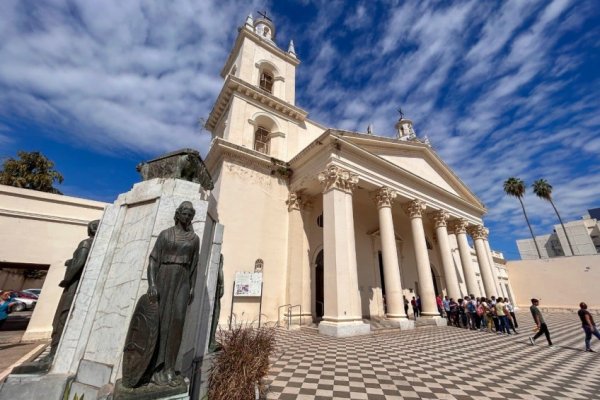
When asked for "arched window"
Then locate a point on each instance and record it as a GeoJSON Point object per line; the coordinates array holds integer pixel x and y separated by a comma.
{"type": "Point", "coordinates": [262, 142]}
{"type": "Point", "coordinates": [266, 81]}
{"type": "Point", "coordinates": [258, 265]}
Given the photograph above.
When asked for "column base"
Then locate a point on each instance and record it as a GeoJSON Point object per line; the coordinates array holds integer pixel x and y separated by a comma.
{"type": "Point", "coordinates": [403, 323]}
{"type": "Point", "coordinates": [344, 329]}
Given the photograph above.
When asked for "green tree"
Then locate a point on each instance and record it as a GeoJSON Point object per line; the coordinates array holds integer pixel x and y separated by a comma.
{"type": "Point", "coordinates": [31, 171]}
{"type": "Point", "coordinates": [543, 190]}
{"type": "Point", "coordinates": [516, 187]}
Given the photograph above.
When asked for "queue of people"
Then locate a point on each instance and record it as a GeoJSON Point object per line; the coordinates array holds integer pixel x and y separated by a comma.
{"type": "Point", "coordinates": [480, 313]}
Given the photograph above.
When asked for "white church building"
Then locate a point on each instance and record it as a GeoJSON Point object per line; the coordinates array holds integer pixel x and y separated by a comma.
{"type": "Point", "coordinates": [342, 224]}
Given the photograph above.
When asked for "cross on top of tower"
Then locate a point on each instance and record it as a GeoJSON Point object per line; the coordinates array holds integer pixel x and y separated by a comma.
{"type": "Point", "coordinates": [401, 113]}
{"type": "Point", "coordinates": [264, 15]}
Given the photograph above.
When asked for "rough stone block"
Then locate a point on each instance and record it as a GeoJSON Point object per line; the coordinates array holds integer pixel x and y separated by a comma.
{"type": "Point", "coordinates": [343, 329]}
{"type": "Point", "coordinates": [93, 373]}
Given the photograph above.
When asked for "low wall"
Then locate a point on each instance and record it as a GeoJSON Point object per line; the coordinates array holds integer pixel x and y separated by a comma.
{"type": "Point", "coordinates": [560, 283]}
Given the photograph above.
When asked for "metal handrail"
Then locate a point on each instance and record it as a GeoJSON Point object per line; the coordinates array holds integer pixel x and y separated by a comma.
{"type": "Point", "coordinates": [299, 315]}
{"type": "Point", "coordinates": [279, 314]}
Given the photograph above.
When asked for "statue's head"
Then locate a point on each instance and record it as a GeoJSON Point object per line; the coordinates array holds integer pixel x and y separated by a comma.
{"type": "Point", "coordinates": [93, 227]}
{"type": "Point", "coordinates": [185, 214]}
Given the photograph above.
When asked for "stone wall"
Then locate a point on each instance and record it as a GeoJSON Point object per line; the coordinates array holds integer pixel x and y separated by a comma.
{"type": "Point", "coordinates": [560, 283]}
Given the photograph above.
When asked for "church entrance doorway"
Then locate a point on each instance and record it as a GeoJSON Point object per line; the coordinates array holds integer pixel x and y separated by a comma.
{"type": "Point", "coordinates": [319, 287]}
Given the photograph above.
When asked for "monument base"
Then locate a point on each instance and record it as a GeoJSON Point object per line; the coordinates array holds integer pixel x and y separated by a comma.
{"type": "Point", "coordinates": [150, 392]}
{"type": "Point", "coordinates": [344, 329]}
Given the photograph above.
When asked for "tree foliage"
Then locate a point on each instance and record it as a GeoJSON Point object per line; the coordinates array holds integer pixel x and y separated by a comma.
{"type": "Point", "coordinates": [32, 170]}
{"type": "Point", "coordinates": [516, 187]}
{"type": "Point", "coordinates": [543, 190]}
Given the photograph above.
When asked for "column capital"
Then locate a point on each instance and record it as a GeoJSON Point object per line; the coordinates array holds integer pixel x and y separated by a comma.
{"type": "Point", "coordinates": [335, 177]}
{"type": "Point", "coordinates": [459, 226]}
{"type": "Point", "coordinates": [384, 197]}
{"type": "Point", "coordinates": [440, 218]}
{"type": "Point", "coordinates": [295, 201]}
{"type": "Point", "coordinates": [478, 232]}
{"type": "Point", "coordinates": [414, 209]}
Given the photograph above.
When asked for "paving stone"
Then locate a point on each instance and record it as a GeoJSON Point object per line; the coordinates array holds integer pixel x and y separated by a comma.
{"type": "Point", "coordinates": [437, 363]}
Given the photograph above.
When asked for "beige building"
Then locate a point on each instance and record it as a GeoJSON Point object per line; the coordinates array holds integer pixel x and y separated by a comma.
{"type": "Point", "coordinates": [343, 224]}
{"type": "Point", "coordinates": [584, 236]}
{"type": "Point", "coordinates": [40, 231]}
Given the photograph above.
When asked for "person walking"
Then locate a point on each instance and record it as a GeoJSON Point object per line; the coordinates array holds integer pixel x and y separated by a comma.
{"type": "Point", "coordinates": [5, 305]}
{"type": "Point", "coordinates": [405, 300]}
{"type": "Point", "coordinates": [588, 325]}
{"type": "Point", "coordinates": [540, 323]}
{"type": "Point", "coordinates": [415, 307]}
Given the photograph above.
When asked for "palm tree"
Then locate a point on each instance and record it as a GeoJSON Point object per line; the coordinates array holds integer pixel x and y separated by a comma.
{"type": "Point", "coordinates": [516, 187]}
{"type": "Point", "coordinates": [543, 190]}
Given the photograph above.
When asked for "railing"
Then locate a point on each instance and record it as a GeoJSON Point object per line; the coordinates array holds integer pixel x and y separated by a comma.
{"type": "Point", "coordinates": [288, 314]}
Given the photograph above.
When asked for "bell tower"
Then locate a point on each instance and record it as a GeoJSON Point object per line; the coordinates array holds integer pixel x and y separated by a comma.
{"type": "Point", "coordinates": [257, 102]}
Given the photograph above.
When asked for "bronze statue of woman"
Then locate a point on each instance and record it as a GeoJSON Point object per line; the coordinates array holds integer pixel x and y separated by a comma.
{"type": "Point", "coordinates": [171, 277]}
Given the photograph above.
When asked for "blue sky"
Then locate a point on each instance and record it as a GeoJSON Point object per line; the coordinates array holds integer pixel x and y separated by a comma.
{"type": "Point", "coordinates": [501, 88]}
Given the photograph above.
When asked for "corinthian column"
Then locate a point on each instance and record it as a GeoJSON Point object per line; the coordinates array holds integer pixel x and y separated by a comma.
{"type": "Point", "coordinates": [343, 314]}
{"type": "Point", "coordinates": [298, 274]}
{"type": "Point", "coordinates": [440, 219]}
{"type": "Point", "coordinates": [414, 210]}
{"type": "Point", "coordinates": [460, 230]}
{"type": "Point", "coordinates": [391, 271]}
{"type": "Point", "coordinates": [478, 233]}
{"type": "Point", "coordinates": [499, 290]}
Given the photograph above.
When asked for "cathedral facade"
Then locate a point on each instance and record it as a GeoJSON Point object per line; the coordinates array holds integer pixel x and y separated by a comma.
{"type": "Point", "coordinates": [343, 225]}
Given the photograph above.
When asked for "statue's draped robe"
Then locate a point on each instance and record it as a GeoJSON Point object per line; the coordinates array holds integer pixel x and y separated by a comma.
{"type": "Point", "coordinates": [72, 276]}
{"type": "Point", "coordinates": [176, 256]}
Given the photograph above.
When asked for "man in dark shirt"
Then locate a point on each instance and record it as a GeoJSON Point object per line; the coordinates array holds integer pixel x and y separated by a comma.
{"type": "Point", "coordinates": [588, 325]}
{"type": "Point", "coordinates": [539, 321]}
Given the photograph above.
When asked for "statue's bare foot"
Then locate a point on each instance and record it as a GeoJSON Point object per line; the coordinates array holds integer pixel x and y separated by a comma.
{"type": "Point", "coordinates": [160, 378]}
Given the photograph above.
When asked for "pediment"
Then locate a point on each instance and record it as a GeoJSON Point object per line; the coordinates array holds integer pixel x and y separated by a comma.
{"type": "Point", "coordinates": [418, 159]}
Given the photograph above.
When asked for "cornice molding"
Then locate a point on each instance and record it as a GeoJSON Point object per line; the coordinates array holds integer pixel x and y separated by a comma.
{"type": "Point", "coordinates": [236, 85]}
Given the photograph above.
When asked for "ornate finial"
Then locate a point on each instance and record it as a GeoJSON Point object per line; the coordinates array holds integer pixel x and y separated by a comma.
{"type": "Point", "coordinates": [291, 48]}
{"type": "Point", "coordinates": [384, 197]}
{"type": "Point", "coordinates": [414, 209]}
{"type": "Point", "coordinates": [250, 21]}
{"type": "Point", "coordinates": [336, 177]}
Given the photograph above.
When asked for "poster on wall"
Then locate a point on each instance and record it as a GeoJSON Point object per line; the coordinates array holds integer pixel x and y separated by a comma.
{"type": "Point", "coordinates": [248, 284]}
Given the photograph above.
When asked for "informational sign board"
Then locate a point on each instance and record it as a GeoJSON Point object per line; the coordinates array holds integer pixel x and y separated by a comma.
{"type": "Point", "coordinates": [248, 284]}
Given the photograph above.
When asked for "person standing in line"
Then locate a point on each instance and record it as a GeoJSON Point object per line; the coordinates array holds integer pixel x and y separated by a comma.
{"type": "Point", "coordinates": [415, 307]}
{"type": "Point", "coordinates": [419, 305]}
{"type": "Point", "coordinates": [446, 304]}
{"type": "Point", "coordinates": [501, 314]}
{"type": "Point", "coordinates": [540, 323]}
{"type": "Point", "coordinates": [511, 310]}
{"type": "Point", "coordinates": [440, 304]}
{"type": "Point", "coordinates": [405, 305]}
{"type": "Point", "coordinates": [588, 325]}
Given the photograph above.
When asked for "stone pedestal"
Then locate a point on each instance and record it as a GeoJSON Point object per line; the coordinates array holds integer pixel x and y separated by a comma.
{"type": "Point", "coordinates": [91, 347]}
{"type": "Point", "coordinates": [342, 329]}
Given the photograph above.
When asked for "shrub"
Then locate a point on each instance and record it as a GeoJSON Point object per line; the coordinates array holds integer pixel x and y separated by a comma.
{"type": "Point", "coordinates": [242, 363]}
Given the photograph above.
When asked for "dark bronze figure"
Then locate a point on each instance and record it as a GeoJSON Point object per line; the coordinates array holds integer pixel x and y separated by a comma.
{"type": "Point", "coordinates": [69, 283]}
{"type": "Point", "coordinates": [172, 272]}
{"type": "Point", "coordinates": [213, 345]}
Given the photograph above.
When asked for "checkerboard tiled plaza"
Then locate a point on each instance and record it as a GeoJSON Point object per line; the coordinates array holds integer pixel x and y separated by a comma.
{"type": "Point", "coordinates": [437, 363]}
